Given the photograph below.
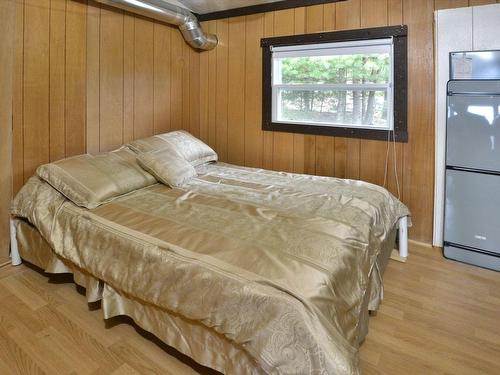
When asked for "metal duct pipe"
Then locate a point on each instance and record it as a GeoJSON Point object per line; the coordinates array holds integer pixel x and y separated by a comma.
{"type": "Point", "coordinates": [166, 12]}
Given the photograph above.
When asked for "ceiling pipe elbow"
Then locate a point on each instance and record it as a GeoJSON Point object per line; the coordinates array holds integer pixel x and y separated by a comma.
{"type": "Point", "coordinates": [195, 36]}
{"type": "Point", "coordinates": [187, 22]}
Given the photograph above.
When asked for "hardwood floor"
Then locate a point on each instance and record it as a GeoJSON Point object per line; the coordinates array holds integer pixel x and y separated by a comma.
{"type": "Point", "coordinates": [438, 317]}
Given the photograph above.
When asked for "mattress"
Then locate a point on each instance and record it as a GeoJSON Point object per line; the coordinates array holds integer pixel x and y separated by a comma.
{"type": "Point", "coordinates": [281, 266]}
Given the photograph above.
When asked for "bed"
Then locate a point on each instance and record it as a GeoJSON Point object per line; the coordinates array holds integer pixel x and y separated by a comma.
{"type": "Point", "coordinates": [245, 270]}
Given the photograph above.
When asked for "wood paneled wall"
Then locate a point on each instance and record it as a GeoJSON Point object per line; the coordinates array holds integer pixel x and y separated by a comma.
{"type": "Point", "coordinates": [89, 78]}
{"type": "Point", "coordinates": [7, 9]}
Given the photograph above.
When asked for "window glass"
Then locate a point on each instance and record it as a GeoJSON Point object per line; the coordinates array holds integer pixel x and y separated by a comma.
{"type": "Point", "coordinates": [344, 69]}
{"type": "Point", "coordinates": [335, 84]}
{"type": "Point", "coordinates": [343, 108]}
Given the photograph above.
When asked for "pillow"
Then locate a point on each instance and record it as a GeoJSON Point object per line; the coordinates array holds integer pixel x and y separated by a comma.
{"type": "Point", "coordinates": [190, 148]}
{"type": "Point", "coordinates": [167, 166]}
{"type": "Point", "coordinates": [91, 180]}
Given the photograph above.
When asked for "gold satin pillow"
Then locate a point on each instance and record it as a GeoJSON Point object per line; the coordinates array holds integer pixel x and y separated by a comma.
{"type": "Point", "coordinates": [190, 148]}
{"type": "Point", "coordinates": [167, 166]}
{"type": "Point", "coordinates": [91, 180]}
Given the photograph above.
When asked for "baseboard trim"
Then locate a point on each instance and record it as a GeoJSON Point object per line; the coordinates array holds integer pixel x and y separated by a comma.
{"type": "Point", "coordinates": [421, 244]}
{"type": "Point", "coordinates": [412, 243]}
{"type": "Point", "coordinates": [4, 264]}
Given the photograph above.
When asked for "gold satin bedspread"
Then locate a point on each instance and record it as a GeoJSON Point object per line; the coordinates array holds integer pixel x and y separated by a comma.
{"type": "Point", "coordinates": [278, 263]}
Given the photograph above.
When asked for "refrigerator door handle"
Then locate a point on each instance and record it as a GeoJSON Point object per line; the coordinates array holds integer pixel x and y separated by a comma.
{"type": "Point", "coordinates": [474, 170]}
{"type": "Point", "coordinates": [450, 93]}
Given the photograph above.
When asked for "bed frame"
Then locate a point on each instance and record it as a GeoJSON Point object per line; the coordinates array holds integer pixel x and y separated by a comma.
{"type": "Point", "coordinates": [16, 260]}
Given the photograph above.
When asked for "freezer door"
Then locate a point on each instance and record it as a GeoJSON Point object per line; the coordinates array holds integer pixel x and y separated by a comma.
{"type": "Point", "coordinates": [473, 131]}
{"type": "Point", "coordinates": [475, 65]}
{"type": "Point", "coordinates": [472, 211]}
{"type": "Point", "coordinates": [471, 257]}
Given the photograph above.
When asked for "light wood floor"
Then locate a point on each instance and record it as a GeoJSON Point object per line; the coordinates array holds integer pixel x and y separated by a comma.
{"type": "Point", "coordinates": [438, 317]}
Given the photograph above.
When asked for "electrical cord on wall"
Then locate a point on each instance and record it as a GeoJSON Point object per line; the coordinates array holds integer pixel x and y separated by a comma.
{"type": "Point", "coordinates": [395, 162]}
{"type": "Point", "coordinates": [387, 158]}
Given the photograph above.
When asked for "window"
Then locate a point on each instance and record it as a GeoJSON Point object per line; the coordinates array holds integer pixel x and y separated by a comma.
{"type": "Point", "coordinates": [346, 83]}
{"type": "Point", "coordinates": [349, 83]}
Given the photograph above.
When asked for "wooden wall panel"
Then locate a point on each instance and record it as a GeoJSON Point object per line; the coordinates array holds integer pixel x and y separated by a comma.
{"type": "Point", "coordinates": [7, 25]}
{"type": "Point", "coordinates": [445, 4]}
{"type": "Point", "coordinates": [17, 101]}
{"type": "Point", "coordinates": [176, 71]}
{"type": "Point", "coordinates": [221, 94]}
{"type": "Point", "coordinates": [162, 56]}
{"type": "Point", "coordinates": [143, 79]}
{"type": "Point", "coordinates": [36, 85]}
{"type": "Point", "coordinates": [57, 89]}
{"type": "Point", "coordinates": [254, 30]}
{"type": "Point", "coordinates": [236, 91]}
{"type": "Point", "coordinates": [194, 92]}
{"type": "Point", "coordinates": [88, 78]}
{"type": "Point", "coordinates": [128, 77]}
{"type": "Point", "coordinates": [76, 58]}
{"type": "Point", "coordinates": [92, 79]}
{"type": "Point", "coordinates": [111, 80]}
{"type": "Point", "coordinates": [186, 83]}
{"type": "Point", "coordinates": [418, 15]}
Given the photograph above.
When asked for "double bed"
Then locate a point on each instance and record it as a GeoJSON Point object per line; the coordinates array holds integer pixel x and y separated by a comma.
{"type": "Point", "coordinates": [245, 270]}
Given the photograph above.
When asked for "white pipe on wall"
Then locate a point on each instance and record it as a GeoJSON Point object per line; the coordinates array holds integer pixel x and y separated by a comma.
{"type": "Point", "coordinates": [403, 237]}
{"type": "Point", "coordinates": [15, 258]}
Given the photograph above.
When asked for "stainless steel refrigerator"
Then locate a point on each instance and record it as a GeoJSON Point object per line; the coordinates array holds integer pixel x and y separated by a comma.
{"type": "Point", "coordinates": [472, 208]}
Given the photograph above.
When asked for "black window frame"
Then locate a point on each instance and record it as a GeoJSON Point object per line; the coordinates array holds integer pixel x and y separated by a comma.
{"type": "Point", "coordinates": [400, 101]}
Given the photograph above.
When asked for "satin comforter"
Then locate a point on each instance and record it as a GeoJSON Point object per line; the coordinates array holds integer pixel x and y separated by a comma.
{"type": "Point", "coordinates": [277, 263]}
